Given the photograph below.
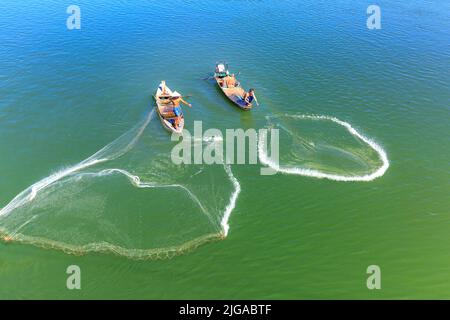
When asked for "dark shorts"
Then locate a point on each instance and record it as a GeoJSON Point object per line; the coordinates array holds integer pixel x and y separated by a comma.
{"type": "Point", "coordinates": [250, 100]}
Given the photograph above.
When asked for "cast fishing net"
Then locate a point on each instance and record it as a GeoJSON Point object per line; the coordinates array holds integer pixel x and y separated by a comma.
{"type": "Point", "coordinates": [323, 147]}
{"type": "Point", "coordinates": [129, 199]}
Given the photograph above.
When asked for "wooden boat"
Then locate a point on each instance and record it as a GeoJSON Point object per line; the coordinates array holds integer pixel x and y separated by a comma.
{"type": "Point", "coordinates": [236, 93]}
{"type": "Point", "coordinates": [164, 107]}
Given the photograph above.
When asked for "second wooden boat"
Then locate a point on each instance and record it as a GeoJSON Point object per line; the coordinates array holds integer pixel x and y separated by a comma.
{"type": "Point", "coordinates": [234, 93]}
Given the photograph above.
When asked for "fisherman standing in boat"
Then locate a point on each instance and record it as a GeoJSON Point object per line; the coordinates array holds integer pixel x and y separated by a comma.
{"type": "Point", "coordinates": [249, 97]}
{"type": "Point", "coordinates": [176, 101]}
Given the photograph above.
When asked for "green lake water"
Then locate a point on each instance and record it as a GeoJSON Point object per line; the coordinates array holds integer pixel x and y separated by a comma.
{"type": "Point", "coordinates": [341, 95]}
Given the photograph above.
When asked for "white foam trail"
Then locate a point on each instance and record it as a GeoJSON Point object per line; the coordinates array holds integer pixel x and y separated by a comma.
{"type": "Point", "coordinates": [209, 139]}
{"type": "Point", "coordinates": [213, 139]}
{"type": "Point", "coordinates": [319, 174]}
{"type": "Point", "coordinates": [229, 209]}
{"type": "Point", "coordinates": [30, 193]}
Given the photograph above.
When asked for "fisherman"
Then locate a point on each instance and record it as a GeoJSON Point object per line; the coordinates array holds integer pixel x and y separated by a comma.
{"type": "Point", "coordinates": [249, 97]}
{"type": "Point", "coordinates": [176, 101]}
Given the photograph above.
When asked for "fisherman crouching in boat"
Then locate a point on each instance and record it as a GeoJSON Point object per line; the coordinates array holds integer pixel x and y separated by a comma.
{"type": "Point", "coordinates": [176, 101]}
{"type": "Point", "coordinates": [249, 97]}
